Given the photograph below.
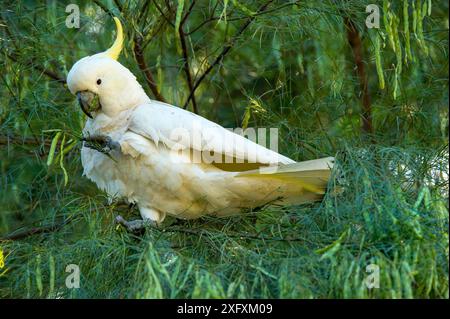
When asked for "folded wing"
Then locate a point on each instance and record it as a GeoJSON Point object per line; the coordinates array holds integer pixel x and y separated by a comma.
{"type": "Point", "coordinates": [180, 129]}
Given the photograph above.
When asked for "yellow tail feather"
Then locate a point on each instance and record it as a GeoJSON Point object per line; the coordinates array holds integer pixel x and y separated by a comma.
{"type": "Point", "coordinates": [311, 175]}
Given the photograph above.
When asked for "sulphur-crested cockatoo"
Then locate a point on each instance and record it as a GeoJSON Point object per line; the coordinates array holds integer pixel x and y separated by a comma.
{"type": "Point", "coordinates": [171, 161]}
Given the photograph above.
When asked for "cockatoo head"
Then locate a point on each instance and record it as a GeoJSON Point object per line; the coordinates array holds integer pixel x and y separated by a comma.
{"type": "Point", "coordinates": [102, 84]}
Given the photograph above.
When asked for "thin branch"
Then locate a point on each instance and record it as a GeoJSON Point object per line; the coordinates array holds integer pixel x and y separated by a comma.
{"type": "Point", "coordinates": [354, 40]}
{"type": "Point", "coordinates": [144, 10]}
{"type": "Point", "coordinates": [162, 14]}
{"type": "Point", "coordinates": [187, 71]}
{"type": "Point", "coordinates": [202, 232]}
{"type": "Point", "coordinates": [225, 50]}
{"type": "Point", "coordinates": [139, 54]}
{"type": "Point", "coordinates": [212, 18]}
{"type": "Point", "coordinates": [183, 20]}
{"type": "Point", "coordinates": [138, 50]}
{"type": "Point", "coordinates": [19, 107]}
{"type": "Point", "coordinates": [203, 23]}
{"type": "Point", "coordinates": [186, 67]}
{"type": "Point", "coordinates": [118, 5]}
{"type": "Point", "coordinates": [104, 8]}
{"type": "Point", "coordinates": [7, 140]}
{"type": "Point", "coordinates": [151, 36]}
{"type": "Point", "coordinates": [51, 74]}
{"type": "Point", "coordinates": [16, 235]}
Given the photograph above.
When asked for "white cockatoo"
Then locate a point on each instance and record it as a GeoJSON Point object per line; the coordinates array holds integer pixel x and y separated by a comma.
{"type": "Point", "coordinates": [171, 161]}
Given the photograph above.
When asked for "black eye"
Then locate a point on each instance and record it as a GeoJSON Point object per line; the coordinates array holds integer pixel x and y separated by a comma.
{"type": "Point", "coordinates": [99, 81]}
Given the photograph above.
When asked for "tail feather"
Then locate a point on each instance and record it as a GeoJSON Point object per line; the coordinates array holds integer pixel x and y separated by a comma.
{"type": "Point", "coordinates": [311, 175]}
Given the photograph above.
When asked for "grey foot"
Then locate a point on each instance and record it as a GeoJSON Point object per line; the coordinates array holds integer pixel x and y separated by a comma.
{"type": "Point", "coordinates": [134, 225]}
{"type": "Point", "coordinates": [103, 144]}
{"type": "Point", "coordinates": [110, 145]}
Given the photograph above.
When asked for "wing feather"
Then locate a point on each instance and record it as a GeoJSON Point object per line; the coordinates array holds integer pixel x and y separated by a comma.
{"type": "Point", "coordinates": [178, 128]}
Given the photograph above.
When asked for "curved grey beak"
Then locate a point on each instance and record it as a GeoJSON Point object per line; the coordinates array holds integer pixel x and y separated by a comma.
{"type": "Point", "coordinates": [86, 99]}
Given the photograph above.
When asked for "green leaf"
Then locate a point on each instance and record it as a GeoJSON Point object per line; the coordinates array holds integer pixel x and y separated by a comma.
{"type": "Point", "coordinates": [334, 246]}
{"type": "Point", "coordinates": [243, 8]}
{"type": "Point", "coordinates": [39, 275]}
{"type": "Point", "coordinates": [180, 8]}
{"type": "Point", "coordinates": [61, 161]}
{"type": "Point", "coordinates": [52, 276]}
{"type": "Point", "coordinates": [378, 62]}
{"type": "Point", "coordinates": [408, 55]}
{"type": "Point", "coordinates": [51, 153]}
{"type": "Point", "coordinates": [224, 11]}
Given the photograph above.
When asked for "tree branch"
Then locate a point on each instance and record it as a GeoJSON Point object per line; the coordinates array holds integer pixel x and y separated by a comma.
{"type": "Point", "coordinates": [187, 69]}
{"type": "Point", "coordinates": [213, 18]}
{"type": "Point", "coordinates": [139, 54]}
{"type": "Point", "coordinates": [183, 20]}
{"type": "Point", "coordinates": [7, 140]}
{"type": "Point", "coordinates": [51, 74]}
{"type": "Point", "coordinates": [103, 7]}
{"type": "Point", "coordinates": [118, 5]}
{"type": "Point", "coordinates": [225, 50]}
{"type": "Point", "coordinates": [202, 232]}
{"type": "Point", "coordinates": [354, 40]}
{"type": "Point", "coordinates": [138, 50]}
{"type": "Point", "coordinates": [162, 13]}
{"type": "Point", "coordinates": [16, 235]}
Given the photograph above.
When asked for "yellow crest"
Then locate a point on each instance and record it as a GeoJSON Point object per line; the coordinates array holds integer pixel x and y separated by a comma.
{"type": "Point", "coordinates": [114, 51]}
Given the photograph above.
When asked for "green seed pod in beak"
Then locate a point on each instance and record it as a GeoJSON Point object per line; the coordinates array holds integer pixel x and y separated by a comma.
{"type": "Point", "coordinates": [89, 102]}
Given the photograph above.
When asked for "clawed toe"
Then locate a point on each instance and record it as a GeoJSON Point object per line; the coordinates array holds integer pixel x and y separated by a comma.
{"type": "Point", "coordinates": [110, 145]}
{"type": "Point", "coordinates": [103, 144]}
{"type": "Point", "coordinates": [134, 225]}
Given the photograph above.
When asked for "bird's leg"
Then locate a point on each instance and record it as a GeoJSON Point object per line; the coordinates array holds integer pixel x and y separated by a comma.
{"type": "Point", "coordinates": [135, 226]}
{"type": "Point", "coordinates": [150, 217]}
{"type": "Point", "coordinates": [110, 145]}
{"type": "Point", "coordinates": [151, 214]}
{"type": "Point", "coordinates": [103, 144]}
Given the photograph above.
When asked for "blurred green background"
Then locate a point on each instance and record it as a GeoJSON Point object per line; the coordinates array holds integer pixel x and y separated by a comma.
{"type": "Point", "coordinates": [376, 99]}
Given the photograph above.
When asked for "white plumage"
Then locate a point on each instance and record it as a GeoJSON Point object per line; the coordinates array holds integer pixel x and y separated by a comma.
{"type": "Point", "coordinates": [146, 170]}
